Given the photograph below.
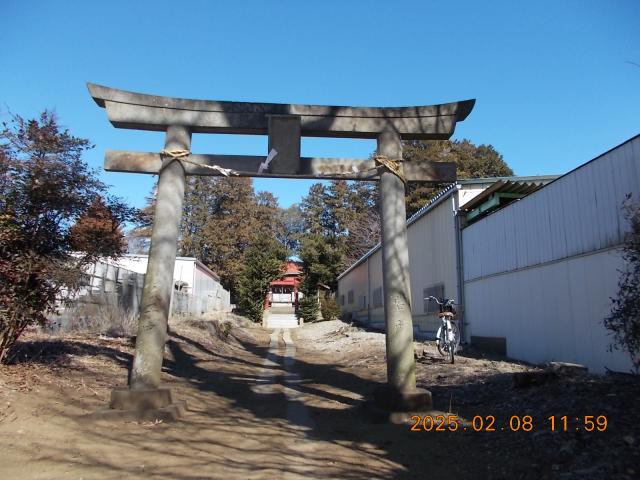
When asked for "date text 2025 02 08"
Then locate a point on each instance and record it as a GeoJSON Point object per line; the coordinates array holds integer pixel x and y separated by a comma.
{"type": "Point", "coordinates": [525, 423]}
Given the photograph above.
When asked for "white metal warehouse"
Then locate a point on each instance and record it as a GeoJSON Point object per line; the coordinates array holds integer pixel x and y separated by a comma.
{"type": "Point", "coordinates": [434, 257]}
{"type": "Point", "coordinates": [535, 276]}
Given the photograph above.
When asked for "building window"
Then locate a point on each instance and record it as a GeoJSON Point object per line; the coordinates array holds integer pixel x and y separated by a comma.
{"type": "Point", "coordinates": [437, 291]}
{"type": "Point", "coordinates": [341, 299]}
{"type": "Point", "coordinates": [362, 302]}
{"type": "Point", "coordinates": [377, 297]}
{"type": "Point", "coordinates": [350, 296]}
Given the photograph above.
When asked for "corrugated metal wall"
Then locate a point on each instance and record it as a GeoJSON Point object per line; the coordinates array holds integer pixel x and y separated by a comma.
{"type": "Point", "coordinates": [432, 259]}
{"type": "Point", "coordinates": [352, 289]}
{"type": "Point", "coordinates": [540, 271]}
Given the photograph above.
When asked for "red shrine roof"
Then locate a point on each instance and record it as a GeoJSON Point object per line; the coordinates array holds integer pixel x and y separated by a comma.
{"type": "Point", "coordinates": [291, 276]}
{"type": "Point", "coordinates": [293, 268]}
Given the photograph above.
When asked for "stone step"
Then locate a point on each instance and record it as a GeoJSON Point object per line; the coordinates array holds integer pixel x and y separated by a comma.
{"type": "Point", "coordinates": [282, 310]}
{"type": "Point", "coordinates": [282, 321]}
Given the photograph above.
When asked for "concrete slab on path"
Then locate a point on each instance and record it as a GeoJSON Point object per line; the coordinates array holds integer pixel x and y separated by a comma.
{"type": "Point", "coordinates": [281, 320]}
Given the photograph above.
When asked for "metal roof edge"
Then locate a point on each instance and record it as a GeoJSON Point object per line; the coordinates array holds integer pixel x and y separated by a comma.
{"type": "Point", "coordinates": [513, 178]}
{"type": "Point", "coordinates": [194, 259]}
{"type": "Point", "coordinates": [361, 260]}
{"type": "Point", "coordinates": [205, 268]}
{"type": "Point", "coordinates": [434, 202]}
{"type": "Point", "coordinates": [629, 140]}
{"type": "Point", "coordinates": [558, 177]}
{"type": "Point", "coordinates": [444, 194]}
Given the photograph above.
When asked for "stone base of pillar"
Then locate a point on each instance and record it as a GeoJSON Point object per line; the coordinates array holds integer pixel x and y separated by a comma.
{"type": "Point", "coordinates": [393, 406]}
{"type": "Point", "coordinates": [142, 405]}
{"type": "Point", "coordinates": [392, 400]}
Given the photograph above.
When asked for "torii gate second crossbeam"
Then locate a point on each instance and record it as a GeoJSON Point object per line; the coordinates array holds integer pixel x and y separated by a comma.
{"type": "Point", "coordinates": [285, 124]}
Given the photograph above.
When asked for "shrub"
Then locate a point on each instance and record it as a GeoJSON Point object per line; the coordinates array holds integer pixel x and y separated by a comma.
{"type": "Point", "coordinates": [624, 320]}
{"type": "Point", "coordinates": [329, 308]}
{"type": "Point", "coordinates": [49, 205]}
{"type": "Point", "coordinates": [308, 309]}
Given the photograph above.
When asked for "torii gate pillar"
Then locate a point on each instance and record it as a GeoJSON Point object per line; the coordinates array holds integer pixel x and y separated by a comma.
{"type": "Point", "coordinates": [400, 393]}
{"type": "Point", "coordinates": [158, 285]}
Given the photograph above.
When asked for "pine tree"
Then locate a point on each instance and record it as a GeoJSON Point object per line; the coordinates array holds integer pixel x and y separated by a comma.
{"type": "Point", "coordinates": [313, 208]}
{"type": "Point", "coordinates": [340, 224]}
{"type": "Point", "coordinates": [292, 228]}
{"type": "Point", "coordinates": [263, 263]}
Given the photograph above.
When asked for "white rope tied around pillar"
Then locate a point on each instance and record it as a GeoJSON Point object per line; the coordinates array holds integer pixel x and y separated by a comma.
{"type": "Point", "coordinates": [183, 156]}
{"type": "Point", "coordinates": [392, 165]}
{"type": "Point", "coordinates": [381, 161]}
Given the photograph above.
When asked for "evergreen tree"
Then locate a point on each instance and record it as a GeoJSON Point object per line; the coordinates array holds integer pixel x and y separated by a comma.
{"type": "Point", "coordinates": [472, 162]}
{"type": "Point", "coordinates": [340, 223]}
{"type": "Point", "coordinates": [221, 239]}
{"type": "Point", "coordinates": [263, 263]}
{"type": "Point", "coordinates": [313, 208]}
{"type": "Point", "coordinates": [323, 260]}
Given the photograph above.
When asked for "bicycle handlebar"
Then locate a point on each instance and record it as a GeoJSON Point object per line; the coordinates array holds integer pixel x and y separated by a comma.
{"type": "Point", "coordinates": [445, 301]}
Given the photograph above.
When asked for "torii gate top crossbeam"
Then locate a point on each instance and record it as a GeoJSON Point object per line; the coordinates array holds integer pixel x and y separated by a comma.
{"type": "Point", "coordinates": [149, 112]}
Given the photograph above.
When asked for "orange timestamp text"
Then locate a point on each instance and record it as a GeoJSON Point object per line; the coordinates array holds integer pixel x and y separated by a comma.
{"type": "Point", "coordinates": [515, 423]}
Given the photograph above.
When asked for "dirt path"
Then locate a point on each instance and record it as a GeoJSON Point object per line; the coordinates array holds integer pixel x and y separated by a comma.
{"type": "Point", "coordinates": [271, 405]}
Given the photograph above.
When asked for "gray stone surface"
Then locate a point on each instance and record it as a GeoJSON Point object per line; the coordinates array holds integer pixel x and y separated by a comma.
{"type": "Point", "coordinates": [309, 167]}
{"type": "Point", "coordinates": [401, 365]}
{"type": "Point", "coordinates": [156, 295]}
{"type": "Point", "coordinates": [149, 112]}
{"type": "Point", "coordinates": [284, 137]}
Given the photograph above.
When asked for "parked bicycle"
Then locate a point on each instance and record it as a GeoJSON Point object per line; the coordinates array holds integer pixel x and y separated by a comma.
{"type": "Point", "coordinates": [448, 335]}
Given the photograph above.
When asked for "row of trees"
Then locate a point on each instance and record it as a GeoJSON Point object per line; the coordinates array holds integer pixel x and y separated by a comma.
{"type": "Point", "coordinates": [333, 226]}
{"type": "Point", "coordinates": [223, 217]}
{"type": "Point", "coordinates": [56, 216]}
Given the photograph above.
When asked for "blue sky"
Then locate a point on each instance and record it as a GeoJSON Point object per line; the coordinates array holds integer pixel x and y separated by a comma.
{"type": "Point", "coordinates": [552, 80]}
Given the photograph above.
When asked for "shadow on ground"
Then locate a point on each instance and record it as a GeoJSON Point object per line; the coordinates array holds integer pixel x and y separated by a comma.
{"type": "Point", "coordinates": [241, 424]}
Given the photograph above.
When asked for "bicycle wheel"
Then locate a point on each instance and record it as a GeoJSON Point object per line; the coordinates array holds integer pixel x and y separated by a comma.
{"type": "Point", "coordinates": [456, 337]}
{"type": "Point", "coordinates": [441, 341]}
{"type": "Point", "coordinates": [451, 351]}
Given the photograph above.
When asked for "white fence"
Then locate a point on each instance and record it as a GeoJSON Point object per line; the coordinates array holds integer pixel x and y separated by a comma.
{"type": "Point", "coordinates": [110, 298]}
{"type": "Point", "coordinates": [189, 304]}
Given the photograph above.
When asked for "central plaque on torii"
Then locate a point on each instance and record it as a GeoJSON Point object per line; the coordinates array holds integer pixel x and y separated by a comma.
{"type": "Point", "coordinates": [285, 125]}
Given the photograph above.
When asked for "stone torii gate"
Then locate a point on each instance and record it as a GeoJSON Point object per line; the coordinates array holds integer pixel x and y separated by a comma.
{"type": "Point", "coordinates": [285, 125]}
